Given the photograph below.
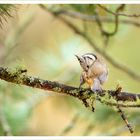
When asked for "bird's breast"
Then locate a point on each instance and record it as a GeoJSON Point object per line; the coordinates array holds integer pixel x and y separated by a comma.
{"type": "Point", "coordinates": [89, 80]}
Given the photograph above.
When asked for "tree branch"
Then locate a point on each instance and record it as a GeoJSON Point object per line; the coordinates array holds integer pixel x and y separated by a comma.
{"type": "Point", "coordinates": [99, 22]}
{"type": "Point", "coordinates": [92, 18]}
{"type": "Point", "coordinates": [20, 77]}
{"type": "Point", "coordinates": [118, 14]}
{"type": "Point", "coordinates": [105, 33]}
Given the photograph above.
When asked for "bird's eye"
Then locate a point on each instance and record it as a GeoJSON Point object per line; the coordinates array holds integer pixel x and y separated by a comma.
{"type": "Point", "coordinates": [87, 66]}
{"type": "Point", "coordinates": [79, 60]}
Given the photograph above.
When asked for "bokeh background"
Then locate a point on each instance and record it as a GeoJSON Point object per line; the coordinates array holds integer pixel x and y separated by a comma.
{"type": "Point", "coordinates": [33, 38]}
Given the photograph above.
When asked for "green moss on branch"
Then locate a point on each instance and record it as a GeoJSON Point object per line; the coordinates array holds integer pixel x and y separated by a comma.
{"type": "Point", "coordinates": [107, 97]}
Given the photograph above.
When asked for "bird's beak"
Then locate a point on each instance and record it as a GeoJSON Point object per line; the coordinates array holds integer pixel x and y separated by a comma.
{"type": "Point", "coordinates": [77, 56]}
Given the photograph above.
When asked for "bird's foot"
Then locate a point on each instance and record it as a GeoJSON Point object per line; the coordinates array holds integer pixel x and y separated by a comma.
{"type": "Point", "coordinates": [80, 89]}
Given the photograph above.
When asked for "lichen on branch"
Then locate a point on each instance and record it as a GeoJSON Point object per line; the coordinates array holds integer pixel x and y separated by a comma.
{"type": "Point", "coordinates": [108, 97]}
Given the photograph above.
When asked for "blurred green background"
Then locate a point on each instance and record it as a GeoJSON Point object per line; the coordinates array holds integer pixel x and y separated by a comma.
{"type": "Point", "coordinates": [34, 39]}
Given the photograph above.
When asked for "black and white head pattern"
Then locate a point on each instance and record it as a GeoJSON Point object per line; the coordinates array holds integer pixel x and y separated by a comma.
{"type": "Point", "coordinates": [89, 59]}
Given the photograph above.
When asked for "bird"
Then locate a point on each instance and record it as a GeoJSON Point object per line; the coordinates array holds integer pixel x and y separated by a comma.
{"type": "Point", "coordinates": [95, 71]}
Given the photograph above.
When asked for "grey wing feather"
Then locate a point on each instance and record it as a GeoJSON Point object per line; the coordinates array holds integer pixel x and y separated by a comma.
{"type": "Point", "coordinates": [96, 86]}
{"type": "Point", "coordinates": [103, 77]}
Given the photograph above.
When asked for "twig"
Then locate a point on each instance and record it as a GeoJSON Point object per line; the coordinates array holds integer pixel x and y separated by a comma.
{"type": "Point", "coordinates": [121, 105]}
{"type": "Point", "coordinates": [105, 33]}
{"type": "Point", "coordinates": [99, 23]}
{"type": "Point", "coordinates": [120, 129]}
{"type": "Point", "coordinates": [122, 114]}
{"type": "Point", "coordinates": [118, 14]}
{"type": "Point", "coordinates": [91, 18]}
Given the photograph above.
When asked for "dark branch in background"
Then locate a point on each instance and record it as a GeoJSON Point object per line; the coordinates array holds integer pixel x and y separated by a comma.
{"type": "Point", "coordinates": [92, 18]}
{"type": "Point", "coordinates": [99, 22]}
{"type": "Point", "coordinates": [105, 33]}
{"type": "Point", "coordinates": [118, 14]}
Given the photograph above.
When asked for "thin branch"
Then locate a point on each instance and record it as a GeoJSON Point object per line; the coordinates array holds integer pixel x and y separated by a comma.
{"type": "Point", "coordinates": [91, 18]}
{"type": "Point", "coordinates": [123, 116]}
{"type": "Point", "coordinates": [105, 33]}
{"type": "Point", "coordinates": [118, 14]}
{"type": "Point", "coordinates": [119, 130]}
{"type": "Point", "coordinates": [99, 23]}
{"type": "Point", "coordinates": [121, 105]}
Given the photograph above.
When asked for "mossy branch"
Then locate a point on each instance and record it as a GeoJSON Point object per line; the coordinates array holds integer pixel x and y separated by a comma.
{"type": "Point", "coordinates": [109, 97]}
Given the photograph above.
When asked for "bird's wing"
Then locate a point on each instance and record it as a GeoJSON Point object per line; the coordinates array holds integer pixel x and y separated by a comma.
{"type": "Point", "coordinates": [97, 69]}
